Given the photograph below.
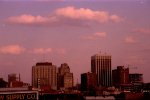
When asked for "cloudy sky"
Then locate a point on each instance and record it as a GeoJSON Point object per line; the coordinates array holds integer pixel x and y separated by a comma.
{"type": "Point", "coordinates": [72, 31]}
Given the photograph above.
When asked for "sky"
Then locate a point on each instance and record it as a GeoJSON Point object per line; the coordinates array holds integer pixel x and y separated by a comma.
{"type": "Point", "coordinates": [71, 31]}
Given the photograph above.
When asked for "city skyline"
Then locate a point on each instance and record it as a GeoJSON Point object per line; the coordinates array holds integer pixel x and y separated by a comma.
{"type": "Point", "coordinates": [38, 30]}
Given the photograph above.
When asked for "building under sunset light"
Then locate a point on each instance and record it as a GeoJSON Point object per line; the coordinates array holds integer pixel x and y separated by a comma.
{"type": "Point", "coordinates": [44, 75]}
{"type": "Point", "coordinates": [101, 65]}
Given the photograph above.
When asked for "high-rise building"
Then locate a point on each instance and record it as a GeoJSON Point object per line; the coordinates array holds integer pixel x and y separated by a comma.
{"type": "Point", "coordinates": [120, 76]}
{"type": "Point", "coordinates": [44, 75]}
{"type": "Point", "coordinates": [88, 81]}
{"type": "Point", "coordinates": [101, 65]}
{"type": "Point", "coordinates": [64, 77]}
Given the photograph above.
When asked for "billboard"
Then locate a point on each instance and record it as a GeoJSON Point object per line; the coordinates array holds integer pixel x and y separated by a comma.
{"type": "Point", "coordinates": [19, 95]}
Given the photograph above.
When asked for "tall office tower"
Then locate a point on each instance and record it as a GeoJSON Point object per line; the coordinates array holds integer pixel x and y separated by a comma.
{"type": "Point", "coordinates": [101, 65]}
{"type": "Point", "coordinates": [64, 77]}
{"type": "Point", "coordinates": [120, 76]}
{"type": "Point", "coordinates": [44, 75]}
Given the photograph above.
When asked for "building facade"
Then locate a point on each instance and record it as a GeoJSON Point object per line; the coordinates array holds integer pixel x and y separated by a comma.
{"type": "Point", "coordinates": [68, 80]}
{"type": "Point", "coordinates": [44, 74]}
{"type": "Point", "coordinates": [14, 81]}
{"type": "Point", "coordinates": [88, 81]}
{"type": "Point", "coordinates": [3, 84]}
{"type": "Point", "coordinates": [64, 77]}
{"type": "Point", "coordinates": [12, 77]}
{"type": "Point", "coordinates": [136, 78]}
{"type": "Point", "coordinates": [101, 66]}
{"type": "Point", "coordinates": [120, 75]}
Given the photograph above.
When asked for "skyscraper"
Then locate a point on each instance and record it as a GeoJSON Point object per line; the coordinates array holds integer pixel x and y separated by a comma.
{"type": "Point", "coordinates": [64, 77]}
{"type": "Point", "coordinates": [44, 75]}
{"type": "Point", "coordinates": [101, 65]}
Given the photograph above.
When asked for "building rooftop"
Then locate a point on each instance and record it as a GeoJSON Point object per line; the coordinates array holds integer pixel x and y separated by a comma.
{"type": "Point", "coordinates": [44, 63]}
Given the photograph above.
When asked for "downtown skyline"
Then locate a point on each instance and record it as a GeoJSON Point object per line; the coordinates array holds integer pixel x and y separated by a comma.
{"type": "Point", "coordinates": [33, 31]}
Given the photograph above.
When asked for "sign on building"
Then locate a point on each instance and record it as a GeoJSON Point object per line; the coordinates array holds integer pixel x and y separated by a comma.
{"type": "Point", "coordinates": [19, 95]}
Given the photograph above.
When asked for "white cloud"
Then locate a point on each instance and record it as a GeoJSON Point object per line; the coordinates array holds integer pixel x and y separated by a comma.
{"type": "Point", "coordinates": [95, 36]}
{"type": "Point", "coordinates": [30, 19]}
{"type": "Point", "coordinates": [86, 14]}
{"type": "Point", "coordinates": [42, 50]}
{"type": "Point", "coordinates": [12, 49]}
{"type": "Point", "coordinates": [130, 40]}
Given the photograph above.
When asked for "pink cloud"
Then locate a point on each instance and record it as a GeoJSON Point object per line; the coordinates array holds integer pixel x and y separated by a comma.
{"type": "Point", "coordinates": [95, 36]}
{"type": "Point", "coordinates": [30, 19]}
{"type": "Point", "coordinates": [48, 0]}
{"type": "Point", "coordinates": [12, 49]}
{"type": "Point", "coordinates": [141, 30]}
{"type": "Point", "coordinates": [86, 14]}
{"type": "Point", "coordinates": [130, 40]}
{"type": "Point", "coordinates": [61, 51]}
{"type": "Point", "coordinates": [88, 37]}
{"type": "Point", "coordinates": [100, 34]}
{"type": "Point", "coordinates": [69, 12]}
{"type": "Point", "coordinates": [115, 18]}
{"type": "Point", "coordinates": [42, 50]}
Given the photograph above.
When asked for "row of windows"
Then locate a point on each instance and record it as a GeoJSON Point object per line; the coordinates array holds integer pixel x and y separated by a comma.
{"type": "Point", "coordinates": [101, 65]}
{"type": "Point", "coordinates": [46, 74]}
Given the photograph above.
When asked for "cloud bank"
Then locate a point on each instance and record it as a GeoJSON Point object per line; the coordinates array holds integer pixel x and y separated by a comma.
{"type": "Point", "coordinates": [11, 49]}
{"type": "Point", "coordinates": [141, 30]}
{"type": "Point", "coordinates": [95, 36]}
{"type": "Point", "coordinates": [42, 50]}
{"type": "Point", "coordinates": [66, 13]}
{"type": "Point", "coordinates": [17, 49]}
{"type": "Point", "coordinates": [130, 40]}
{"type": "Point", "coordinates": [30, 19]}
{"type": "Point", "coordinates": [87, 14]}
